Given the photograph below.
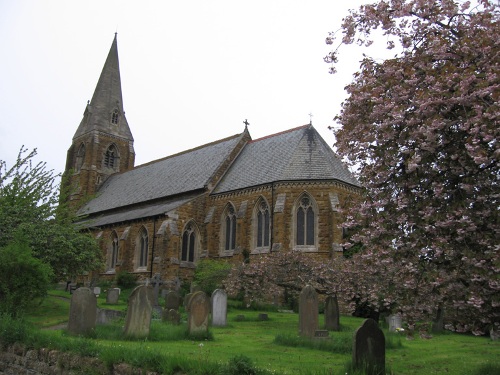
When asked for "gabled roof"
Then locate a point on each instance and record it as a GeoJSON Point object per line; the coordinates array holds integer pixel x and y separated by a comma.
{"type": "Point", "coordinates": [106, 99]}
{"type": "Point", "coordinates": [297, 154]}
{"type": "Point", "coordinates": [162, 179]}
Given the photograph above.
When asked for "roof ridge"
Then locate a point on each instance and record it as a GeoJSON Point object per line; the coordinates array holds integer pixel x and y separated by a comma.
{"type": "Point", "coordinates": [280, 133]}
{"type": "Point", "coordinates": [189, 150]}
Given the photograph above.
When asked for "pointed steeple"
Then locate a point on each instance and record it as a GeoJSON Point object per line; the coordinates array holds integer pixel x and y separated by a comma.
{"type": "Point", "coordinates": [104, 113]}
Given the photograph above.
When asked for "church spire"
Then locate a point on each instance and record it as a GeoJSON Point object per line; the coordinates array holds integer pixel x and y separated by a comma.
{"type": "Point", "coordinates": [105, 111]}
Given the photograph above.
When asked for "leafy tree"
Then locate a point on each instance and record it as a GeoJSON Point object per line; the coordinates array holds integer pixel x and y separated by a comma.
{"type": "Point", "coordinates": [422, 130]}
{"type": "Point", "coordinates": [210, 274]}
{"type": "Point", "coordinates": [22, 278]}
{"type": "Point", "coordinates": [30, 208]}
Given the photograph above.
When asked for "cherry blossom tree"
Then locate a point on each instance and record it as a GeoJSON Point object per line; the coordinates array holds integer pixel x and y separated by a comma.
{"type": "Point", "coordinates": [422, 131]}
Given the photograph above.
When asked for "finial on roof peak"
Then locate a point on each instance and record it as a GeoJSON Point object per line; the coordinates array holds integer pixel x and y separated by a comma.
{"type": "Point", "coordinates": [246, 123]}
{"type": "Point", "coordinates": [310, 118]}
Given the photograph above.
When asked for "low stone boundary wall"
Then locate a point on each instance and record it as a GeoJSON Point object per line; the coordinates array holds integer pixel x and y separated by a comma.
{"type": "Point", "coordinates": [17, 360]}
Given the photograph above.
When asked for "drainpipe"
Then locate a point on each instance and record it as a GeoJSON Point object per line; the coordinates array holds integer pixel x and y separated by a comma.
{"type": "Point", "coordinates": [272, 217]}
{"type": "Point", "coordinates": [153, 247]}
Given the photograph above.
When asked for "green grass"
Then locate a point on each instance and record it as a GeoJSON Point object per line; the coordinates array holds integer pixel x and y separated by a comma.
{"type": "Point", "coordinates": [271, 345]}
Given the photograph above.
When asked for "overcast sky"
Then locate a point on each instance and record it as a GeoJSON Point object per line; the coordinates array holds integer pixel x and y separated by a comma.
{"type": "Point", "coordinates": [191, 71]}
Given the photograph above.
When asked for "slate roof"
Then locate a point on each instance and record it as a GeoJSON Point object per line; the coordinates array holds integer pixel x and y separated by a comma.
{"type": "Point", "coordinates": [173, 175]}
{"type": "Point", "coordinates": [297, 154]}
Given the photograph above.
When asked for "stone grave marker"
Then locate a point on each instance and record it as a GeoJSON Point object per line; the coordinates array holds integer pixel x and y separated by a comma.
{"type": "Point", "coordinates": [368, 348]}
{"type": "Point", "coordinates": [139, 312]}
{"type": "Point", "coordinates": [171, 316]}
{"type": "Point", "coordinates": [263, 317]}
{"type": "Point", "coordinates": [112, 296]}
{"type": "Point", "coordinates": [156, 282]}
{"type": "Point", "coordinates": [199, 309]}
{"type": "Point", "coordinates": [308, 311]}
{"type": "Point", "coordinates": [438, 323]}
{"type": "Point", "coordinates": [219, 308]}
{"type": "Point", "coordinates": [172, 300]}
{"type": "Point", "coordinates": [82, 312]}
{"type": "Point", "coordinates": [395, 322]}
{"type": "Point", "coordinates": [97, 291]}
{"type": "Point", "coordinates": [332, 314]}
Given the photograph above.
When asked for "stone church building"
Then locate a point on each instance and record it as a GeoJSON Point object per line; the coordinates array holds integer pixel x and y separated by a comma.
{"type": "Point", "coordinates": [229, 199]}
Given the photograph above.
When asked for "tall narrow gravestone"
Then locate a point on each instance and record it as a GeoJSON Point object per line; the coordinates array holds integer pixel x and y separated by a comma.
{"type": "Point", "coordinates": [219, 308]}
{"type": "Point", "coordinates": [308, 311]}
{"type": "Point", "coordinates": [332, 315]}
{"type": "Point", "coordinates": [139, 311]}
{"type": "Point", "coordinates": [368, 348]}
{"type": "Point", "coordinates": [82, 312]}
{"type": "Point", "coordinates": [199, 308]}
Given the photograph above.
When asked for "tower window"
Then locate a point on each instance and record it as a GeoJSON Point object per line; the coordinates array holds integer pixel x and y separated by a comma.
{"type": "Point", "coordinates": [110, 157]}
{"type": "Point", "coordinates": [115, 117]}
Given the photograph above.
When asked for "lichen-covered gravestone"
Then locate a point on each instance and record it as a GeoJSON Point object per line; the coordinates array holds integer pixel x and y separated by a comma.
{"type": "Point", "coordinates": [112, 296]}
{"type": "Point", "coordinates": [172, 300]}
{"type": "Point", "coordinates": [368, 348]}
{"type": "Point", "coordinates": [308, 311]}
{"type": "Point", "coordinates": [219, 308]}
{"type": "Point", "coordinates": [332, 315]}
{"type": "Point", "coordinates": [139, 311]}
{"type": "Point", "coordinates": [198, 311]}
{"type": "Point", "coordinates": [82, 312]}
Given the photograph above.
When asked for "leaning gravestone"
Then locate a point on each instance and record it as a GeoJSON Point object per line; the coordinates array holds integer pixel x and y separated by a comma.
{"type": "Point", "coordinates": [139, 311]}
{"type": "Point", "coordinates": [172, 300]}
{"type": "Point", "coordinates": [112, 296]}
{"type": "Point", "coordinates": [332, 315]}
{"type": "Point", "coordinates": [198, 310]}
{"type": "Point", "coordinates": [219, 308]}
{"type": "Point", "coordinates": [368, 348]}
{"type": "Point", "coordinates": [308, 311]}
{"type": "Point", "coordinates": [82, 312]}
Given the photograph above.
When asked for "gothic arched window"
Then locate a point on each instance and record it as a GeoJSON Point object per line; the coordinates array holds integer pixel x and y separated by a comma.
{"type": "Point", "coordinates": [113, 251]}
{"type": "Point", "coordinates": [141, 249]}
{"type": "Point", "coordinates": [110, 157]}
{"type": "Point", "coordinates": [80, 157]}
{"type": "Point", "coordinates": [229, 228]}
{"type": "Point", "coordinates": [189, 243]}
{"type": "Point", "coordinates": [305, 222]}
{"type": "Point", "coordinates": [261, 226]}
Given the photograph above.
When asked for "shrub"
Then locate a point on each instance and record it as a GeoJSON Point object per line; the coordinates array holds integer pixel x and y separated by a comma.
{"type": "Point", "coordinates": [210, 273]}
{"type": "Point", "coordinates": [241, 365]}
{"type": "Point", "coordinates": [22, 278]}
{"type": "Point", "coordinates": [125, 280]}
{"type": "Point", "coordinates": [12, 330]}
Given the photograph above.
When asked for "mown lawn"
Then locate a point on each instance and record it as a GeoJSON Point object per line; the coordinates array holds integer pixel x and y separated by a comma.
{"type": "Point", "coordinates": [446, 353]}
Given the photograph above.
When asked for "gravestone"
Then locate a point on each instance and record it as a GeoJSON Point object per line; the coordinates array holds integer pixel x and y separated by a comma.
{"type": "Point", "coordinates": [199, 308]}
{"type": "Point", "coordinates": [321, 334]}
{"type": "Point", "coordinates": [82, 312]}
{"type": "Point", "coordinates": [171, 316]}
{"type": "Point", "coordinates": [139, 311]}
{"type": "Point", "coordinates": [332, 314]}
{"type": "Point", "coordinates": [219, 308]}
{"type": "Point", "coordinates": [112, 296]}
{"type": "Point", "coordinates": [395, 322]}
{"type": "Point", "coordinates": [263, 317]}
{"type": "Point", "coordinates": [156, 282]}
{"type": "Point", "coordinates": [438, 323]}
{"type": "Point", "coordinates": [97, 291]}
{"type": "Point", "coordinates": [105, 316]}
{"type": "Point", "coordinates": [172, 300]}
{"type": "Point", "coordinates": [368, 348]}
{"type": "Point", "coordinates": [308, 311]}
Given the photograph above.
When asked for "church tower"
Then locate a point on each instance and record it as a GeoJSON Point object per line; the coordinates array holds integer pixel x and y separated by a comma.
{"type": "Point", "coordinates": [103, 143]}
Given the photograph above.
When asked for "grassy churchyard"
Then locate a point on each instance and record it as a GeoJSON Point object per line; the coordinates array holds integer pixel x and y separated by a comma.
{"type": "Point", "coordinates": [272, 346]}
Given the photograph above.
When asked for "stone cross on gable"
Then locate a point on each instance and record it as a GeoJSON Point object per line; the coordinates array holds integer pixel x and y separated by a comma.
{"type": "Point", "coordinates": [156, 281]}
{"type": "Point", "coordinates": [246, 123]}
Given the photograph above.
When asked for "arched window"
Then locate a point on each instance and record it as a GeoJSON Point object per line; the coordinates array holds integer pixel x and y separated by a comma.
{"type": "Point", "coordinates": [80, 157]}
{"type": "Point", "coordinates": [305, 223]}
{"type": "Point", "coordinates": [261, 226]}
{"type": "Point", "coordinates": [189, 243]}
{"type": "Point", "coordinates": [115, 116]}
{"type": "Point", "coordinates": [110, 157]}
{"type": "Point", "coordinates": [141, 248]}
{"type": "Point", "coordinates": [229, 228]}
{"type": "Point", "coordinates": [112, 252]}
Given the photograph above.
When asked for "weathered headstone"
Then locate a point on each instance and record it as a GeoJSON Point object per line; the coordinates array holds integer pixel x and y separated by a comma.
{"type": "Point", "coordinates": [368, 348]}
{"type": "Point", "coordinates": [395, 322]}
{"type": "Point", "coordinates": [105, 316]}
{"type": "Point", "coordinates": [112, 296]}
{"type": "Point", "coordinates": [172, 300]}
{"type": "Point", "coordinates": [321, 334]}
{"type": "Point", "coordinates": [172, 316]}
{"type": "Point", "coordinates": [308, 311]}
{"type": "Point", "coordinates": [156, 282]}
{"type": "Point", "coordinates": [219, 308]}
{"type": "Point", "coordinates": [82, 312]}
{"type": "Point", "coordinates": [139, 311]}
{"type": "Point", "coordinates": [97, 291]}
{"type": "Point", "coordinates": [332, 314]}
{"type": "Point", "coordinates": [199, 309]}
{"type": "Point", "coordinates": [263, 317]}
